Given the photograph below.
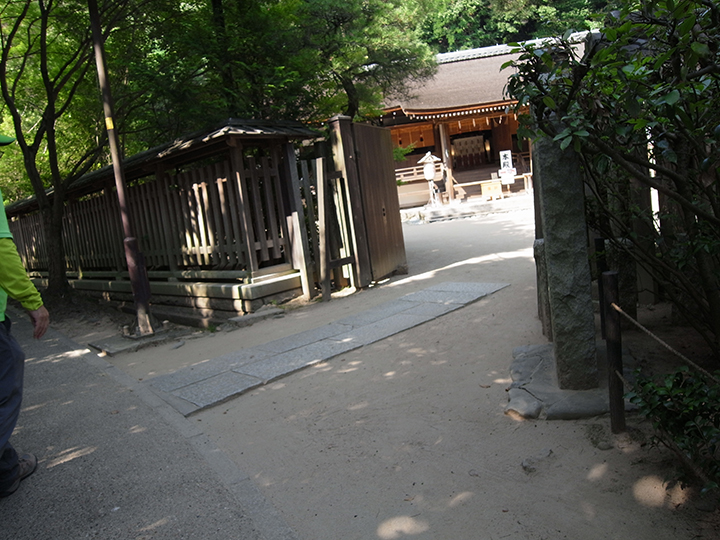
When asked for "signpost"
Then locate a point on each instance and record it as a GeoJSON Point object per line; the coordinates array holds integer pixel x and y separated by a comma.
{"type": "Point", "coordinates": [507, 172]}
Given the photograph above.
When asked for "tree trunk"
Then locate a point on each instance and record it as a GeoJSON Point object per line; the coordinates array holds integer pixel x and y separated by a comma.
{"type": "Point", "coordinates": [353, 104]}
{"type": "Point", "coordinates": [57, 269]}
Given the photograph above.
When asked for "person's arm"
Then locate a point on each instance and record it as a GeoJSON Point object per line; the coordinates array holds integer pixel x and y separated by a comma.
{"type": "Point", "coordinates": [15, 282]}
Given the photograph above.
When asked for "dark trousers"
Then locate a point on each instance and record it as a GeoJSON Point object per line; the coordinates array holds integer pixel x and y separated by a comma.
{"type": "Point", "coordinates": [12, 365]}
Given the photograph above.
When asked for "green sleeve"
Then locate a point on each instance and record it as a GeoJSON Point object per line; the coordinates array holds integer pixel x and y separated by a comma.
{"type": "Point", "coordinates": [13, 278]}
{"type": "Point", "coordinates": [4, 227]}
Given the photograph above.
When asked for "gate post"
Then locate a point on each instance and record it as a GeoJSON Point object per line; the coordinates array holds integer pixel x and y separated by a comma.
{"type": "Point", "coordinates": [299, 245]}
{"type": "Point", "coordinates": [343, 146]}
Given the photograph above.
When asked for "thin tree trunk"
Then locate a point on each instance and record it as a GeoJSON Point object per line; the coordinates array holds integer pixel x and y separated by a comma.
{"type": "Point", "coordinates": [57, 269]}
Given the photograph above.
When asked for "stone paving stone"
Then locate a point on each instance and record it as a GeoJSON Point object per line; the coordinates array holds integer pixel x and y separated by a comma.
{"type": "Point", "coordinates": [276, 366]}
{"type": "Point", "coordinates": [217, 388]}
{"type": "Point", "coordinates": [443, 297]}
{"type": "Point", "coordinates": [231, 374]}
{"type": "Point", "coordinates": [454, 292]}
{"type": "Point", "coordinates": [469, 287]}
{"type": "Point", "coordinates": [378, 313]}
{"type": "Point", "coordinates": [305, 338]}
{"type": "Point", "coordinates": [427, 309]}
{"type": "Point", "coordinates": [241, 357]}
{"type": "Point", "coordinates": [207, 369]}
{"type": "Point", "coordinates": [364, 335]}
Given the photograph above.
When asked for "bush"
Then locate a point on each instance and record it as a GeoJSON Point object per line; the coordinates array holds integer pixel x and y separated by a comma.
{"type": "Point", "coordinates": [684, 408]}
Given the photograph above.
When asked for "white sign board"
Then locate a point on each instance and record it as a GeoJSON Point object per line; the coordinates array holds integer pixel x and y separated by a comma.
{"type": "Point", "coordinates": [506, 159]}
{"type": "Point", "coordinates": [507, 176]}
{"type": "Point", "coordinates": [507, 172]}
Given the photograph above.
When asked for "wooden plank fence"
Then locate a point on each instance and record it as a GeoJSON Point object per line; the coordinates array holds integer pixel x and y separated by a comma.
{"type": "Point", "coordinates": [194, 220]}
{"type": "Point", "coordinates": [238, 225]}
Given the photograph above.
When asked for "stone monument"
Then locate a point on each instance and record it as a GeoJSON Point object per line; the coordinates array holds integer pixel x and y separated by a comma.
{"type": "Point", "coordinates": [564, 251]}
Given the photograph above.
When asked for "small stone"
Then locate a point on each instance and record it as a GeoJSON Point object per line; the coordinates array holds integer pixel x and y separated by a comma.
{"type": "Point", "coordinates": [529, 465]}
{"type": "Point", "coordinates": [178, 345]}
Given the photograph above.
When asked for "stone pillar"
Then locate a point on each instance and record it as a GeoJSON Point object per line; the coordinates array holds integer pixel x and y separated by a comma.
{"type": "Point", "coordinates": [542, 288]}
{"type": "Point", "coordinates": [562, 206]}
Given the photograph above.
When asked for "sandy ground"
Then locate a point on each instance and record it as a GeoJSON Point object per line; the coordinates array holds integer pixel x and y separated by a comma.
{"type": "Point", "coordinates": [407, 438]}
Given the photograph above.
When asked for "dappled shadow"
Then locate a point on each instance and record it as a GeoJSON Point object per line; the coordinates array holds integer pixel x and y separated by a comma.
{"type": "Point", "coordinates": [407, 438]}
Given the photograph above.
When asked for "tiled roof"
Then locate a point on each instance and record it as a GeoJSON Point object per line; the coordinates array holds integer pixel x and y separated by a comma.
{"type": "Point", "coordinates": [464, 79]}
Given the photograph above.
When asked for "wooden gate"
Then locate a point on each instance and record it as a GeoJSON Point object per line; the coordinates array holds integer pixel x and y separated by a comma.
{"type": "Point", "coordinates": [363, 155]}
{"type": "Point", "coordinates": [376, 173]}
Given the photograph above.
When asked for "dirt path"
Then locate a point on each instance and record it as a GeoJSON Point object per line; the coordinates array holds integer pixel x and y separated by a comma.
{"type": "Point", "coordinates": [407, 438]}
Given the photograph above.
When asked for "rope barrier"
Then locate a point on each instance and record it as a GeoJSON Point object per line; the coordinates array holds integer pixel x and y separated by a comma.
{"type": "Point", "coordinates": [668, 347]}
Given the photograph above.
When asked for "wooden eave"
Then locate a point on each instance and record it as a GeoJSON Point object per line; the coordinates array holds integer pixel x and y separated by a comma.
{"type": "Point", "coordinates": [480, 110]}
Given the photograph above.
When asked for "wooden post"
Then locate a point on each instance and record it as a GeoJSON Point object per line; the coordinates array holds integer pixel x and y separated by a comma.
{"type": "Point", "coordinates": [446, 158]}
{"type": "Point", "coordinates": [602, 267]}
{"type": "Point", "coordinates": [306, 184]}
{"type": "Point", "coordinates": [613, 341]}
{"type": "Point", "coordinates": [323, 262]}
{"type": "Point", "coordinates": [135, 259]}
{"type": "Point", "coordinates": [243, 202]}
{"type": "Point", "coordinates": [299, 240]}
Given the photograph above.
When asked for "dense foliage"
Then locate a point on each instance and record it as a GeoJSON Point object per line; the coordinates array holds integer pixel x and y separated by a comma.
{"type": "Point", "coordinates": [451, 25]}
{"type": "Point", "coordinates": [684, 408]}
{"type": "Point", "coordinates": [641, 106]}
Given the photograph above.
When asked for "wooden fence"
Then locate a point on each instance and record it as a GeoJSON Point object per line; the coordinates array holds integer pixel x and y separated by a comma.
{"type": "Point", "coordinates": [239, 225]}
{"type": "Point", "coordinates": [195, 220]}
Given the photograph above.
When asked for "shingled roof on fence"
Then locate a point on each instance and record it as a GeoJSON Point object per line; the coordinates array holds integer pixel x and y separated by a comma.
{"type": "Point", "coordinates": [182, 150]}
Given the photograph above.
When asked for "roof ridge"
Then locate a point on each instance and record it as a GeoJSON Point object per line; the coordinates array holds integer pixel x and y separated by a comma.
{"type": "Point", "coordinates": [497, 50]}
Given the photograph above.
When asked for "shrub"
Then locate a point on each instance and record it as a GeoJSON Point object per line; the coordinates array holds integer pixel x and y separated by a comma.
{"type": "Point", "coordinates": [684, 408]}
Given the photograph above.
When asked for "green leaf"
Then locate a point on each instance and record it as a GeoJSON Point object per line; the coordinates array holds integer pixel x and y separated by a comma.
{"type": "Point", "coordinates": [701, 49]}
{"type": "Point", "coordinates": [549, 102]}
{"type": "Point", "coordinates": [670, 155]}
{"type": "Point", "coordinates": [672, 98]}
{"type": "Point", "coordinates": [622, 130]}
{"type": "Point", "coordinates": [562, 135]}
{"type": "Point", "coordinates": [686, 26]}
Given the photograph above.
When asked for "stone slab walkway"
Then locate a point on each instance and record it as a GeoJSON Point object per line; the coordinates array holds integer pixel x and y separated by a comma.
{"type": "Point", "coordinates": [211, 382]}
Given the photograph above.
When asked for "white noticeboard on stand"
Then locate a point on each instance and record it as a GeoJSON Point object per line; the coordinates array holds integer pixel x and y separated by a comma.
{"type": "Point", "coordinates": [507, 172]}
